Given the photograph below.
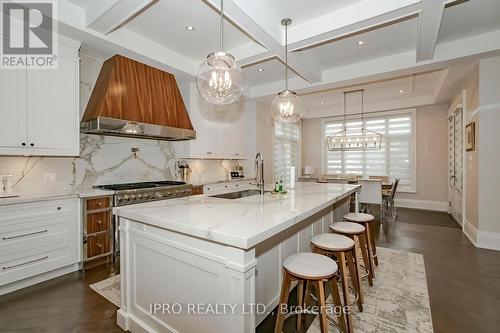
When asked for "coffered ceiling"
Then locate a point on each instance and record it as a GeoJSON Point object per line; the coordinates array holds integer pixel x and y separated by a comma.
{"type": "Point", "coordinates": [332, 44]}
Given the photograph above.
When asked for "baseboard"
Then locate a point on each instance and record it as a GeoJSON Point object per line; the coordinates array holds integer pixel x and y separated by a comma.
{"type": "Point", "coordinates": [482, 239]}
{"type": "Point", "coordinates": [439, 206]}
{"type": "Point", "coordinates": [37, 279]}
{"type": "Point", "coordinates": [470, 231]}
{"type": "Point", "coordinates": [488, 240]}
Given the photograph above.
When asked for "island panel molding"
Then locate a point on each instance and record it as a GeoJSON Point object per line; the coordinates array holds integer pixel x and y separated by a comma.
{"type": "Point", "coordinates": [205, 264]}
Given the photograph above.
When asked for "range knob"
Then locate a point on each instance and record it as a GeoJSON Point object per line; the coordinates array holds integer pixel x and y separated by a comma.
{"type": "Point", "coordinates": [133, 197]}
{"type": "Point", "coordinates": [126, 197]}
{"type": "Point", "coordinates": [159, 195]}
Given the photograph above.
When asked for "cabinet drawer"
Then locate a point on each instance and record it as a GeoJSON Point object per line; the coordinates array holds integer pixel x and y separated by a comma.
{"type": "Point", "coordinates": [97, 222]}
{"type": "Point", "coordinates": [38, 210]}
{"type": "Point", "coordinates": [98, 244]}
{"type": "Point", "coordinates": [98, 203]}
{"type": "Point", "coordinates": [21, 265]}
{"type": "Point", "coordinates": [20, 235]}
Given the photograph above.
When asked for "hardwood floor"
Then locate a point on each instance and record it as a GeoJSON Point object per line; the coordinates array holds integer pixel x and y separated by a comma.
{"type": "Point", "coordinates": [463, 282]}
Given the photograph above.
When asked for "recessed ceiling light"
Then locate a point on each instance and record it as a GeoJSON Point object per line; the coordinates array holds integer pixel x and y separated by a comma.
{"type": "Point", "coordinates": [322, 103]}
{"type": "Point", "coordinates": [189, 28]}
{"type": "Point", "coordinates": [401, 91]}
{"type": "Point", "coordinates": [260, 69]}
{"type": "Point", "coordinates": [361, 42]}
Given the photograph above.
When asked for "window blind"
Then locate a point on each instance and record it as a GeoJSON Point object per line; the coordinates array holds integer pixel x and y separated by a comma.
{"type": "Point", "coordinates": [395, 157]}
{"type": "Point", "coordinates": [286, 150]}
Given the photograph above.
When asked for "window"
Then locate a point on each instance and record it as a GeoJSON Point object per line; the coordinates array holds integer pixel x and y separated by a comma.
{"type": "Point", "coordinates": [396, 157]}
{"type": "Point", "coordinates": [286, 150]}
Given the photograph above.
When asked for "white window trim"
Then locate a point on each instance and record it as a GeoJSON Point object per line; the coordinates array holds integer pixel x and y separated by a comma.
{"type": "Point", "coordinates": [413, 143]}
{"type": "Point", "coordinates": [298, 168]}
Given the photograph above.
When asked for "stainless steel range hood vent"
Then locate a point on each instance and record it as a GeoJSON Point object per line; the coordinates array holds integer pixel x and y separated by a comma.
{"type": "Point", "coordinates": [117, 127]}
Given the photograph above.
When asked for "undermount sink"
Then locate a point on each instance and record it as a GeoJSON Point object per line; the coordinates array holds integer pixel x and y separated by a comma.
{"type": "Point", "coordinates": [237, 195]}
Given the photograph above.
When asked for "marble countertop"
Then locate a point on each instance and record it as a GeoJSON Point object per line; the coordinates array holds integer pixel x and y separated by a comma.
{"type": "Point", "coordinates": [222, 181]}
{"type": "Point", "coordinates": [241, 223]}
{"type": "Point", "coordinates": [52, 195]}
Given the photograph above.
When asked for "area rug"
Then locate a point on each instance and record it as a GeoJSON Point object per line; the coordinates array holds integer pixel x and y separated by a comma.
{"type": "Point", "coordinates": [398, 300]}
{"type": "Point", "coordinates": [109, 289]}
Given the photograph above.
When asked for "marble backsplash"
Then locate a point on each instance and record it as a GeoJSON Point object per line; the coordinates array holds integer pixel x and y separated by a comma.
{"type": "Point", "coordinates": [107, 160]}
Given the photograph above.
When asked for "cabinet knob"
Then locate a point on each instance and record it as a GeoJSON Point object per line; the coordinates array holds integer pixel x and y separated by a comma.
{"type": "Point", "coordinates": [23, 144]}
{"type": "Point", "coordinates": [209, 153]}
{"type": "Point", "coordinates": [32, 144]}
{"type": "Point", "coordinates": [59, 208]}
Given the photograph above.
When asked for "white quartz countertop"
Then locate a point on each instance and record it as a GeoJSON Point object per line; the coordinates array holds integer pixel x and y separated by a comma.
{"type": "Point", "coordinates": [26, 197]}
{"type": "Point", "coordinates": [241, 223]}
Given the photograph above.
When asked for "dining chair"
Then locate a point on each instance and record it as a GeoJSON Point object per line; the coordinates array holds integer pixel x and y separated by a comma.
{"type": "Point", "coordinates": [389, 198]}
{"type": "Point", "coordinates": [371, 193]}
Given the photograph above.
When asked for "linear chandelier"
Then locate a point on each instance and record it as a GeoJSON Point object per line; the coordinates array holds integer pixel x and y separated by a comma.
{"type": "Point", "coordinates": [358, 139]}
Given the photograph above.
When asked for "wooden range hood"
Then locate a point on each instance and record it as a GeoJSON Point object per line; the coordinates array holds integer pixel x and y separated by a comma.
{"type": "Point", "coordinates": [135, 100]}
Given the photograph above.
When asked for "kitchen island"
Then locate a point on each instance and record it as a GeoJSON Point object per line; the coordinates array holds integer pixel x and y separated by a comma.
{"type": "Point", "coordinates": [203, 264]}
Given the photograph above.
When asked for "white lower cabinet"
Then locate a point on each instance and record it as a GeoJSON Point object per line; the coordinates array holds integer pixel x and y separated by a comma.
{"type": "Point", "coordinates": [38, 241]}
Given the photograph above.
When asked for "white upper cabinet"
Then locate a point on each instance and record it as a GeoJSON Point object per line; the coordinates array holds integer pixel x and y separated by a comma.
{"type": "Point", "coordinates": [220, 131]}
{"type": "Point", "coordinates": [40, 107]}
{"type": "Point", "coordinates": [12, 109]}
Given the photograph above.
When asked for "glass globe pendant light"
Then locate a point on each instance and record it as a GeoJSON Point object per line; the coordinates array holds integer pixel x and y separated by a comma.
{"type": "Point", "coordinates": [286, 107]}
{"type": "Point", "coordinates": [219, 79]}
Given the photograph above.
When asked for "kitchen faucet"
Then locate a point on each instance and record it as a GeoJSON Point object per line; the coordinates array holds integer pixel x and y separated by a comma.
{"type": "Point", "coordinates": [259, 164]}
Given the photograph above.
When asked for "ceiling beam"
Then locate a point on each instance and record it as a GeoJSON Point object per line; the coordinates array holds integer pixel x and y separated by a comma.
{"type": "Point", "coordinates": [429, 23]}
{"type": "Point", "coordinates": [106, 16]}
{"type": "Point", "coordinates": [241, 13]}
{"type": "Point", "coordinates": [446, 54]}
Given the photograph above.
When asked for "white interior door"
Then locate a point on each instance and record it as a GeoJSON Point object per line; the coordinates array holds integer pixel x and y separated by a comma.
{"type": "Point", "coordinates": [455, 164]}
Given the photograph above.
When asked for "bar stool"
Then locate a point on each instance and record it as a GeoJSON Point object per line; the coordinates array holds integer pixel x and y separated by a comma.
{"type": "Point", "coordinates": [311, 268]}
{"type": "Point", "coordinates": [342, 247]}
{"type": "Point", "coordinates": [365, 220]}
{"type": "Point", "coordinates": [358, 233]}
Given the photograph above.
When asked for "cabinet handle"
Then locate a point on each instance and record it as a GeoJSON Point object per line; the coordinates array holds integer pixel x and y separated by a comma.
{"type": "Point", "coordinates": [32, 144]}
{"type": "Point", "coordinates": [24, 235]}
{"type": "Point", "coordinates": [99, 245]}
{"type": "Point", "coordinates": [25, 263]}
{"type": "Point", "coordinates": [99, 222]}
{"type": "Point", "coordinates": [23, 144]}
{"type": "Point", "coordinates": [99, 203]}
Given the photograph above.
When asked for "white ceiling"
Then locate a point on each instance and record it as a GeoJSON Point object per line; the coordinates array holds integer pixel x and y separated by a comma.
{"type": "Point", "coordinates": [164, 23]}
{"type": "Point", "coordinates": [391, 39]}
{"type": "Point", "coordinates": [402, 37]}
{"type": "Point", "coordinates": [273, 70]}
{"type": "Point", "coordinates": [469, 19]}
{"type": "Point", "coordinates": [299, 11]}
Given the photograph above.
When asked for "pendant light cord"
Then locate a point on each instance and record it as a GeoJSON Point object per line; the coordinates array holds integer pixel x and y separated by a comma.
{"type": "Point", "coordinates": [222, 25]}
{"type": "Point", "coordinates": [286, 57]}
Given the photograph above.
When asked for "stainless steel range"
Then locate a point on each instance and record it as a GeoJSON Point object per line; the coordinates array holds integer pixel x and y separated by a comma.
{"type": "Point", "coordinates": [135, 193]}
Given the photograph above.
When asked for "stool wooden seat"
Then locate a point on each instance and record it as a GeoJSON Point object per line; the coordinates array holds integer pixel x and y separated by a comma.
{"type": "Point", "coordinates": [309, 268]}
{"type": "Point", "coordinates": [343, 248]}
{"type": "Point", "coordinates": [358, 233]}
{"type": "Point", "coordinates": [366, 220]}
